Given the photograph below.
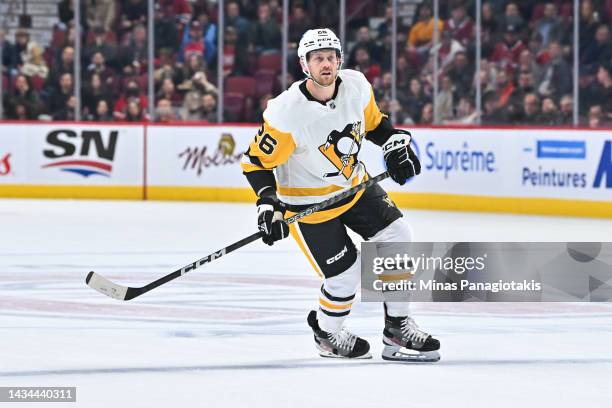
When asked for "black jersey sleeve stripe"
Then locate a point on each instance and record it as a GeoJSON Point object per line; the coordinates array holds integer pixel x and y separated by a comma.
{"type": "Point", "coordinates": [381, 133]}
{"type": "Point", "coordinates": [261, 180]}
{"type": "Point", "coordinates": [254, 159]}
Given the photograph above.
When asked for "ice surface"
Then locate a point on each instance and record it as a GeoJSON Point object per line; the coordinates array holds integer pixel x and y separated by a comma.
{"type": "Point", "coordinates": [233, 333]}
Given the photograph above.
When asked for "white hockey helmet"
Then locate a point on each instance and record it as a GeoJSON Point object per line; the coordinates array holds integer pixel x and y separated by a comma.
{"type": "Point", "coordinates": [318, 39]}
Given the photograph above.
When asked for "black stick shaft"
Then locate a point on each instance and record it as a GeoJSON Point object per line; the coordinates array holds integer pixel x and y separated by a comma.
{"type": "Point", "coordinates": [134, 292]}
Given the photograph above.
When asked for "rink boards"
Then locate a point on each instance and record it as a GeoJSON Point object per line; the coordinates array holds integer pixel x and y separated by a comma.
{"type": "Point", "coordinates": [518, 170]}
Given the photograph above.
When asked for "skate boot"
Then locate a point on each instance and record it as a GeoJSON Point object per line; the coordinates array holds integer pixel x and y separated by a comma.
{"type": "Point", "coordinates": [342, 344]}
{"type": "Point", "coordinates": [404, 341]}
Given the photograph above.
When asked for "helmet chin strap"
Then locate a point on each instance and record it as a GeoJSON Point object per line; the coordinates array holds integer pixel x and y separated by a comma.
{"type": "Point", "coordinates": [323, 86]}
{"type": "Point", "coordinates": [309, 76]}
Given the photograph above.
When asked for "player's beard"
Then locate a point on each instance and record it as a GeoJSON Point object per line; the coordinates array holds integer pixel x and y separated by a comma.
{"type": "Point", "coordinates": [325, 80]}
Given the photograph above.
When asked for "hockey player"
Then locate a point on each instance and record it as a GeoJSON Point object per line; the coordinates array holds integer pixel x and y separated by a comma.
{"type": "Point", "coordinates": [311, 136]}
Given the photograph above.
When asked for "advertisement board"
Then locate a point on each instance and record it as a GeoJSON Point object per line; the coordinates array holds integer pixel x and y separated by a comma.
{"type": "Point", "coordinates": [72, 160]}
{"type": "Point", "coordinates": [539, 171]}
{"type": "Point", "coordinates": [509, 170]}
{"type": "Point", "coordinates": [197, 162]}
{"type": "Point", "coordinates": [532, 163]}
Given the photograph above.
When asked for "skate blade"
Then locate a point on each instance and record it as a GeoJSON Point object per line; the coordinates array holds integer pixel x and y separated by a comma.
{"type": "Point", "coordinates": [396, 353]}
{"type": "Point", "coordinates": [329, 354]}
{"type": "Point", "coordinates": [366, 356]}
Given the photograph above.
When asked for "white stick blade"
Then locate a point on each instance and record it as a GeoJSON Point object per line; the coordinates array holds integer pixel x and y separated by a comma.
{"type": "Point", "coordinates": [106, 287]}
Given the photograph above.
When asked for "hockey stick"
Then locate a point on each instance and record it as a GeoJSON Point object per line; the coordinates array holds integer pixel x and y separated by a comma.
{"type": "Point", "coordinates": [120, 292]}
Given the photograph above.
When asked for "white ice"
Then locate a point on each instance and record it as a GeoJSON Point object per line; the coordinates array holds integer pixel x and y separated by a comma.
{"type": "Point", "coordinates": [233, 333]}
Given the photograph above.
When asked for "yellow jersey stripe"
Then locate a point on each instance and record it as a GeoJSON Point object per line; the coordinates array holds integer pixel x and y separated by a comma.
{"type": "Point", "coordinates": [371, 113]}
{"type": "Point", "coordinates": [297, 236]}
{"type": "Point", "coordinates": [313, 191]}
{"type": "Point", "coordinates": [326, 215]}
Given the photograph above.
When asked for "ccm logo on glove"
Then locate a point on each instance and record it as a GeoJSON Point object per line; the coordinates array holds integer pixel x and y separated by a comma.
{"type": "Point", "coordinates": [394, 144]}
{"type": "Point", "coordinates": [402, 163]}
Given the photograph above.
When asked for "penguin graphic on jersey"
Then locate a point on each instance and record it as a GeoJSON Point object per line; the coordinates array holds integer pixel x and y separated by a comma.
{"type": "Point", "coordinates": [342, 148]}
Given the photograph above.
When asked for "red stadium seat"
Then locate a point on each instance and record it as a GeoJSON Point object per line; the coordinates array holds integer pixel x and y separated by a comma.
{"type": "Point", "coordinates": [264, 82]}
{"type": "Point", "coordinates": [234, 104]}
{"type": "Point", "coordinates": [360, 9]}
{"type": "Point", "coordinates": [140, 79]}
{"type": "Point", "coordinates": [241, 84]}
{"type": "Point", "coordinates": [58, 38]}
{"type": "Point", "coordinates": [37, 83]}
{"type": "Point", "coordinates": [566, 10]}
{"type": "Point", "coordinates": [143, 82]}
{"type": "Point", "coordinates": [271, 62]}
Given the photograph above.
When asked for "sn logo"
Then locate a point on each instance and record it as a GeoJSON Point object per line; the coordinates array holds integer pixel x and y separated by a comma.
{"type": "Point", "coordinates": [605, 166]}
{"type": "Point", "coordinates": [66, 142]}
{"type": "Point", "coordinates": [85, 154]}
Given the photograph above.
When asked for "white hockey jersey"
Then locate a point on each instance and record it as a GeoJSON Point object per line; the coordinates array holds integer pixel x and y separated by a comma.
{"type": "Point", "coordinates": [314, 146]}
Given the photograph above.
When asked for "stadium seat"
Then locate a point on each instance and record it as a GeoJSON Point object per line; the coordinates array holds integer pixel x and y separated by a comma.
{"type": "Point", "coordinates": [271, 62]}
{"type": "Point", "coordinates": [58, 38]}
{"type": "Point", "coordinates": [241, 84]}
{"type": "Point", "coordinates": [234, 104]}
{"type": "Point", "coordinates": [264, 82]}
{"type": "Point", "coordinates": [143, 81]}
{"type": "Point", "coordinates": [38, 83]}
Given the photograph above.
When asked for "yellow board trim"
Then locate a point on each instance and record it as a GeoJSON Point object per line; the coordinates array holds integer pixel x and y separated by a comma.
{"type": "Point", "coordinates": [201, 194]}
{"type": "Point", "coordinates": [512, 205]}
{"type": "Point", "coordinates": [64, 191]}
{"type": "Point", "coordinates": [427, 201]}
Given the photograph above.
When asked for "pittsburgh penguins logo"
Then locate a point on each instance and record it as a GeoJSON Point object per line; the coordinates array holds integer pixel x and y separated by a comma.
{"type": "Point", "coordinates": [341, 149]}
{"type": "Point", "coordinates": [389, 202]}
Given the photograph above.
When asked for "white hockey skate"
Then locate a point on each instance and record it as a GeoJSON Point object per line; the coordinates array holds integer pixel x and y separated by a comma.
{"type": "Point", "coordinates": [404, 341]}
{"type": "Point", "coordinates": [343, 344]}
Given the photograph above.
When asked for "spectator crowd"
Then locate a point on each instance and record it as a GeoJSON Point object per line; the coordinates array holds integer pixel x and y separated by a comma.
{"type": "Point", "coordinates": [526, 71]}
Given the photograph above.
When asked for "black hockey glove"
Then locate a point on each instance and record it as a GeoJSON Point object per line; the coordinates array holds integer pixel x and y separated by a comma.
{"type": "Point", "coordinates": [270, 219]}
{"type": "Point", "coordinates": [401, 161]}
